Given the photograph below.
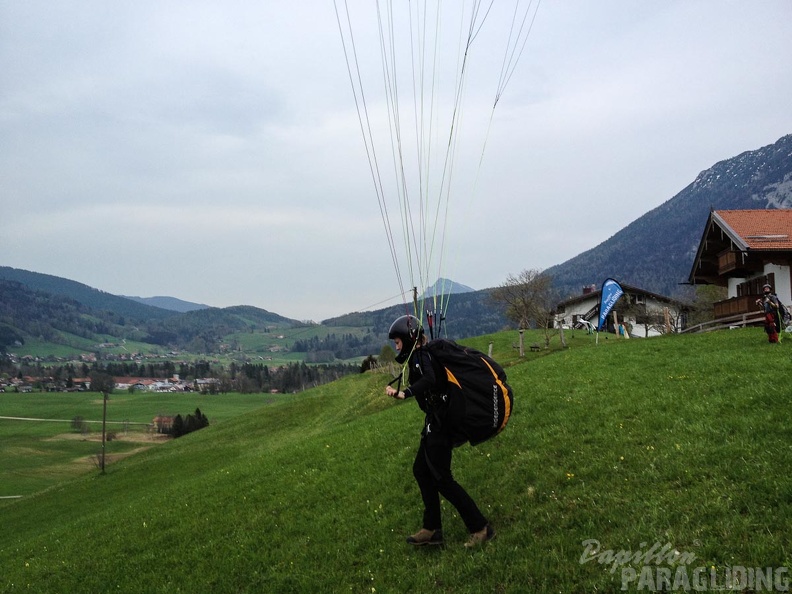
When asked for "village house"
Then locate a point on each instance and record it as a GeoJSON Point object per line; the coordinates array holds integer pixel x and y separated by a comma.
{"type": "Point", "coordinates": [162, 424]}
{"type": "Point", "coordinates": [644, 313]}
{"type": "Point", "coordinates": [207, 384]}
{"type": "Point", "coordinates": [742, 250]}
{"type": "Point", "coordinates": [144, 384]}
{"type": "Point", "coordinates": [135, 383]}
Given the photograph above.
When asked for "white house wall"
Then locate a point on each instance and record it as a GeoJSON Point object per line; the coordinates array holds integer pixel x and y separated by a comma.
{"type": "Point", "coordinates": [732, 286]}
{"type": "Point", "coordinates": [638, 330]}
{"type": "Point", "coordinates": [581, 308]}
{"type": "Point", "coordinates": [782, 281]}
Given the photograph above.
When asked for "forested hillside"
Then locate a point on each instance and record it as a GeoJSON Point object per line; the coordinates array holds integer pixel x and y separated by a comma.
{"type": "Point", "coordinates": [69, 311]}
{"type": "Point", "coordinates": [26, 313]}
{"type": "Point", "coordinates": [468, 314]}
{"type": "Point", "coordinates": [62, 312]}
{"type": "Point", "coordinates": [88, 296]}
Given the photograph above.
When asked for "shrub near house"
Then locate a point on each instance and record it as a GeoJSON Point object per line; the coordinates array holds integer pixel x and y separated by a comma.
{"type": "Point", "coordinates": [178, 425]}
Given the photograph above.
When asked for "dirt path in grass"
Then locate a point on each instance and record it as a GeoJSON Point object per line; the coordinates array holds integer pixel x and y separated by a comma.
{"type": "Point", "coordinates": [70, 420]}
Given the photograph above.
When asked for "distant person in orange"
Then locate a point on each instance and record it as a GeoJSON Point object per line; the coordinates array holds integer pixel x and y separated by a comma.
{"type": "Point", "coordinates": [773, 310]}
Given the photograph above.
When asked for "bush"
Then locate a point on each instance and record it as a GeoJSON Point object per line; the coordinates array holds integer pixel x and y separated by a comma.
{"type": "Point", "coordinates": [190, 423]}
{"type": "Point", "coordinates": [79, 424]}
{"type": "Point", "coordinates": [369, 362]}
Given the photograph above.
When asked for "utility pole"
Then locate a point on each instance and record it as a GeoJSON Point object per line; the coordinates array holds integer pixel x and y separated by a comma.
{"type": "Point", "coordinates": [104, 424]}
{"type": "Point", "coordinates": [104, 383]}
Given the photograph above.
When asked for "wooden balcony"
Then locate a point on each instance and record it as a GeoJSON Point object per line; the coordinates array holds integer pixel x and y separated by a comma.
{"type": "Point", "coordinates": [736, 306]}
{"type": "Point", "coordinates": [727, 261]}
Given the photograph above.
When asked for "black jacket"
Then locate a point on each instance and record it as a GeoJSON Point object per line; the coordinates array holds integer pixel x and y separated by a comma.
{"type": "Point", "coordinates": [428, 381]}
{"type": "Point", "coordinates": [430, 387]}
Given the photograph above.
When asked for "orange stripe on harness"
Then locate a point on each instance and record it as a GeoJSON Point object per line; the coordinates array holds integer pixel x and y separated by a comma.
{"type": "Point", "coordinates": [452, 379]}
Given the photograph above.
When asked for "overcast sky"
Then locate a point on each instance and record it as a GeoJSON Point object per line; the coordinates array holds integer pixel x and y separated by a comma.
{"type": "Point", "coordinates": [211, 151]}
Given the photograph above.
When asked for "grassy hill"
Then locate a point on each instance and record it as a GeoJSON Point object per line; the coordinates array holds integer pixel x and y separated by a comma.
{"type": "Point", "coordinates": [681, 441]}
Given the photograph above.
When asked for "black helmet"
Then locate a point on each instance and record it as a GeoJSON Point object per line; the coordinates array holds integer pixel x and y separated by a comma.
{"type": "Point", "coordinates": [408, 330]}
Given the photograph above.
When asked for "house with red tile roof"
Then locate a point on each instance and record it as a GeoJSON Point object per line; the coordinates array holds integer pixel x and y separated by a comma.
{"type": "Point", "coordinates": [742, 250]}
{"type": "Point", "coordinates": [162, 424]}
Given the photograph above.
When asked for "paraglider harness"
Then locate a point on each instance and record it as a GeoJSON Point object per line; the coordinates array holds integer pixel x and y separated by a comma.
{"type": "Point", "coordinates": [474, 384]}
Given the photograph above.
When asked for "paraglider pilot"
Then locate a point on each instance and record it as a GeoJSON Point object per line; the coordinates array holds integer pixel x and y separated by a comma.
{"type": "Point", "coordinates": [432, 466]}
{"type": "Point", "coordinates": [772, 309]}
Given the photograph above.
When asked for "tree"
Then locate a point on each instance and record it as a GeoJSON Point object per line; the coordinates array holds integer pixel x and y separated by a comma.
{"type": "Point", "coordinates": [369, 363]}
{"type": "Point", "coordinates": [702, 309]}
{"type": "Point", "coordinates": [194, 422]}
{"type": "Point", "coordinates": [527, 297]}
{"type": "Point", "coordinates": [202, 419]}
{"type": "Point", "coordinates": [78, 424]}
{"type": "Point", "coordinates": [387, 354]}
{"type": "Point", "coordinates": [178, 426]}
{"type": "Point", "coordinates": [529, 301]}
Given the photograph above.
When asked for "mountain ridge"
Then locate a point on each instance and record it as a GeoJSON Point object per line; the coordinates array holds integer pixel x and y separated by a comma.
{"type": "Point", "coordinates": [444, 286]}
{"type": "Point", "coordinates": [169, 303]}
{"type": "Point", "coordinates": [760, 178]}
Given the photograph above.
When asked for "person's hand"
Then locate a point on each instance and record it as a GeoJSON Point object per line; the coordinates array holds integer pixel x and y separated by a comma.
{"type": "Point", "coordinates": [393, 393]}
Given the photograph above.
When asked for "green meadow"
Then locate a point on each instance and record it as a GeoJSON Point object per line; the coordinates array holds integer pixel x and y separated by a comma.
{"type": "Point", "coordinates": [623, 460]}
{"type": "Point", "coordinates": [38, 454]}
{"type": "Point", "coordinates": [271, 348]}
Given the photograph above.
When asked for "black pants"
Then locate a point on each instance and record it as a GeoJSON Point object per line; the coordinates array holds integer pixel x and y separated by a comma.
{"type": "Point", "coordinates": [432, 471]}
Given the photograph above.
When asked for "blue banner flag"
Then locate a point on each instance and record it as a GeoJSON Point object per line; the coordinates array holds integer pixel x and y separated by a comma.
{"type": "Point", "coordinates": [611, 291]}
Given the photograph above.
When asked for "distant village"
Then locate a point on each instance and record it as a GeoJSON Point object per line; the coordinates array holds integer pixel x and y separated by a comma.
{"type": "Point", "coordinates": [112, 357]}
{"type": "Point", "coordinates": [27, 384]}
{"type": "Point", "coordinates": [135, 372]}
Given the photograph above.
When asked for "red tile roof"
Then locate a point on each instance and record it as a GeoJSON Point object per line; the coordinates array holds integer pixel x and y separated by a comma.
{"type": "Point", "coordinates": [766, 229]}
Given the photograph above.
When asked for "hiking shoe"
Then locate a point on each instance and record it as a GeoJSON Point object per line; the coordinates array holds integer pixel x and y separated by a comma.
{"type": "Point", "coordinates": [480, 537]}
{"type": "Point", "coordinates": [426, 537]}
